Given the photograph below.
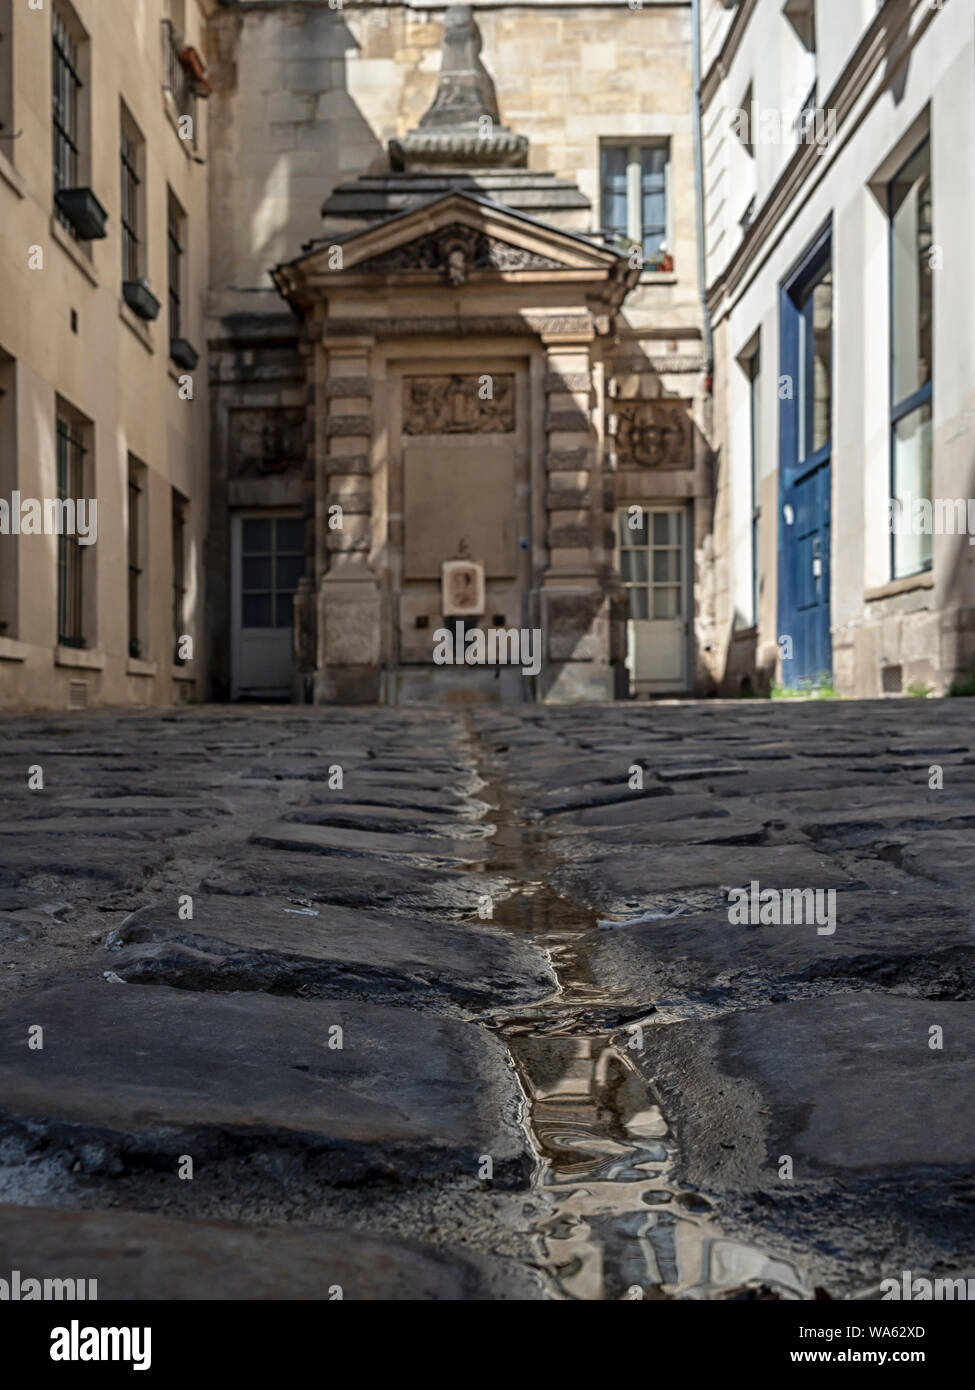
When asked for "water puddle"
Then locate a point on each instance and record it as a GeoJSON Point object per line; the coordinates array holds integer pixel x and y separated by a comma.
{"type": "Point", "coordinates": [615, 1224]}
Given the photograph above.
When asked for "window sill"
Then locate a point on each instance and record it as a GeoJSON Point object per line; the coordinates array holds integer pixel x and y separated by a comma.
{"type": "Point", "coordinates": [10, 176]}
{"type": "Point", "coordinates": [658, 277]}
{"type": "Point", "coordinates": [180, 673]}
{"type": "Point", "coordinates": [79, 657]}
{"type": "Point", "coordinates": [135, 666]}
{"type": "Point", "coordinates": [12, 650]}
{"type": "Point", "coordinates": [68, 246]}
{"type": "Point", "coordinates": [924, 580]}
{"type": "Point", "coordinates": [133, 322]}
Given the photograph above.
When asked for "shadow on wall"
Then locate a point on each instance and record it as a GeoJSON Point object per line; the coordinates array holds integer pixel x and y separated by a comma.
{"type": "Point", "coordinates": [284, 130]}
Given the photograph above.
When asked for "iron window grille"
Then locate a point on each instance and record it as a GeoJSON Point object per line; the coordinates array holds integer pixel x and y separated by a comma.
{"type": "Point", "coordinates": [131, 182]}
{"type": "Point", "coordinates": [174, 235]}
{"type": "Point", "coordinates": [67, 85]}
{"type": "Point", "coordinates": [179, 576]}
{"type": "Point", "coordinates": [177, 81]}
{"type": "Point", "coordinates": [71, 474]}
{"type": "Point", "coordinates": [135, 568]}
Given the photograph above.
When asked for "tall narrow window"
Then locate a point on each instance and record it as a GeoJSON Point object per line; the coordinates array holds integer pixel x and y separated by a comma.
{"type": "Point", "coordinates": [66, 123]}
{"type": "Point", "coordinates": [754, 368]}
{"type": "Point", "coordinates": [911, 380]}
{"type": "Point", "coordinates": [174, 240]}
{"type": "Point", "coordinates": [71, 487]}
{"type": "Point", "coordinates": [180, 506]}
{"type": "Point", "coordinates": [815, 384]}
{"type": "Point", "coordinates": [178, 81]}
{"type": "Point", "coordinates": [131, 161]}
{"type": "Point", "coordinates": [137, 534]}
{"type": "Point", "coordinates": [8, 485]}
{"type": "Point", "coordinates": [634, 199]}
{"type": "Point", "coordinates": [7, 143]}
{"type": "Point", "coordinates": [272, 562]}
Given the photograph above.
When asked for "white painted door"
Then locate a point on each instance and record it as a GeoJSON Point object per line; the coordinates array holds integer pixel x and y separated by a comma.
{"type": "Point", "coordinates": [653, 560]}
{"type": "Point", "coordinates": [267, 559]}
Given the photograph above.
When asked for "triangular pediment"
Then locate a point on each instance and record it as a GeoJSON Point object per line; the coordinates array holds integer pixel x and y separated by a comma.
{"type": "Point", "coordinates": [458, 248]}
{"type": "Point", "coordinates": [452, 239]}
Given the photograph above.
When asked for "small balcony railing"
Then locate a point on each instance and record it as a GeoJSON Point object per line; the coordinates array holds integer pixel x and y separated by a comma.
{"type": "Point", "coordinates": [176, 80]}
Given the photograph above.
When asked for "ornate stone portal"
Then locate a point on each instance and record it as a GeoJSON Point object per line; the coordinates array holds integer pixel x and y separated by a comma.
{"type": "Point", "coordinates": [456, 375]}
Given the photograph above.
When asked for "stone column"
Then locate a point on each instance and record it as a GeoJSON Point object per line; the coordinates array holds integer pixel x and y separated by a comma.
{"type": "Point", "coordinates": [574, 606]}
{"type": "Point", "coordinates": [349, 601]}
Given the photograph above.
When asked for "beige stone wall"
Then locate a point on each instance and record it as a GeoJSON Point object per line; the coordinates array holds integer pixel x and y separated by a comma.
{"type": "Point", "coordinates": [306, 99]}
{"type": "Point", "coordinates": [114, 369]}
{"type": "Point", "coordinates": [308, 96]}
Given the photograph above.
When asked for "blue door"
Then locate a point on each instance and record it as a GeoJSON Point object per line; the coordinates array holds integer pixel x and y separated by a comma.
{"type": "Point", "coordinates": [805, 442]}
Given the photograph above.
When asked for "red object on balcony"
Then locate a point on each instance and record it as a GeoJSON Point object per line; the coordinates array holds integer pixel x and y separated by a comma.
{"type": "Point", "coordinates": [196, 68]}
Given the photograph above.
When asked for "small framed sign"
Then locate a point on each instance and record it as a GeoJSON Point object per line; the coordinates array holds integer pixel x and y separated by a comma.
{"type": "Point", "coordinates": [462, 588]}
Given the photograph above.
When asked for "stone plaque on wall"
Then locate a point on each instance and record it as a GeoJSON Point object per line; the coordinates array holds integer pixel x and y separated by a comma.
{"type": "Point", "coordinates": [459, 502]}
{"type": "Point", "coordinates": [653, 434]}
{"type": "Point", "coordinates": [461, 589]}
{"type": "Point", "coordinates": [459, 404]}
{"type": "Point", "coordinates": [266, 440]}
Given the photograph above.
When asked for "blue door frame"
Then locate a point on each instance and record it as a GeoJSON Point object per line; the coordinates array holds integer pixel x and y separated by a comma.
{"type": "Point", "coordinates": [804, 485]}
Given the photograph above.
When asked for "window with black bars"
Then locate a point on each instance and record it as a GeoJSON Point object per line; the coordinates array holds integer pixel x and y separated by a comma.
{"type": "Point", "coordinates": [67, 86]}
{"type": "Point", "coordinates": [131, 258]}
{"type": "Point", "coordinates": [174, 238]}
{"type": "Point", "coordinates": [135, 566]}
{"type": "Point", "coordinates": [179, 575]}
{"type": "Point", "coordinates": [71, 476]}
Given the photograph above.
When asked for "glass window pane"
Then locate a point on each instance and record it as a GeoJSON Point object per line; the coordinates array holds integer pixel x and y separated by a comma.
{"type": "Point", "coordinates": [282, 611]}
{"type": "Point", "coordinates": [288, 570]}
{"type": "Point", "coordinates": [910, 245]}
{"type": "Point", "coordinates": [666, 603]}
{"type": "Point", "coordinates": [256, 572]}
{"type": "Point", "coordinates": [633, 566]}
{"type": "Point", "coordinates": [256, 610]}
{"type": "Point", "coordinates": [613, 211]}
{"type": "Point", "coordinates": [256, 535]}
{"type": "Point", "coordinates": [666, 528]}
{"type": "Point", "coordinates": [632, 528]}
{"type": "Point", "coordinates": [637, 604]}
{"type": "Point", "coordinates": [290, 534]}
{"type": "Point", "coordinates": [912, 481]}
{"type": "Point", "coordinates": [666, 566]}
{"type": "Point", "coordinates": [816, 375]}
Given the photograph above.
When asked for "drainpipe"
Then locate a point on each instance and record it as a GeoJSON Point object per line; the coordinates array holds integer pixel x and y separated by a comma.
{"type": "Point", "coordinates": [699, 188]}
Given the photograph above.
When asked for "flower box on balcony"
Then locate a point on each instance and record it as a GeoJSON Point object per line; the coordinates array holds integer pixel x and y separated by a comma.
{"type": "Point", "coordinates": [183, 353]}
{"type": "Point", "coordinates": [140, 298]}
{"type": "Point", "coordinates": [196, 70]}
{"type": "Point", "coordinates": [83, 211]}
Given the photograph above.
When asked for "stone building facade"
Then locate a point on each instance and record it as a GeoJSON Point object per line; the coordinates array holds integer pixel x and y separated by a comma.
{"type": "Point", "coordinates": [104, 418]}
{"type": "Point", "coordinates": [480, 356]}
{"type": "Point", "coordinates": [840, 210]}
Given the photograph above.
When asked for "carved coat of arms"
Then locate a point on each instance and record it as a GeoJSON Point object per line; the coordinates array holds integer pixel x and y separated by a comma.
{"type": "Point", "coordinates": [653, 434]}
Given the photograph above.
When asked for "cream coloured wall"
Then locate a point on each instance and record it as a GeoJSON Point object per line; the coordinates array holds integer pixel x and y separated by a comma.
{"type": "Point", "coordinates": [114, 369]}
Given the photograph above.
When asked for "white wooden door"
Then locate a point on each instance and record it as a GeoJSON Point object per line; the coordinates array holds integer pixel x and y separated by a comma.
{"type": "Point", "coordinates": [654, 566]}
{"type": "Point", "coordinates": [267, 560]}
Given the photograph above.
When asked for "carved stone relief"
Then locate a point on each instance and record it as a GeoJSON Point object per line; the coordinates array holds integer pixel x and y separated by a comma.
{"type": "Point", "coordinates": [653, 434]}
{"type": "Point", "coordinates": [456, 251]}
{"type": "Point", "coordinates": [453, 405]}
{"type": "Point", "coordinates": [266, 440]}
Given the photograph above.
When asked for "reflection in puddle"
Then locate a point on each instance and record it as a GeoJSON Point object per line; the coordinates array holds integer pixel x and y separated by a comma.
{"type": "Point", "coordinates": [615, 1225]}
{"type": "Point", "coordinates": [605, 1157]}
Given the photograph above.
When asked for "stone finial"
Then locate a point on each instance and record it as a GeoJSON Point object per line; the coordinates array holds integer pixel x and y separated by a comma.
{"type": "Point", "coordinates": [462, 129]}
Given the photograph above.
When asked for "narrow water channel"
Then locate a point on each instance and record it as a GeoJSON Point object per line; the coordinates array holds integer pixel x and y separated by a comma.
{"type": "Point", "coordinates": [615, 1223]}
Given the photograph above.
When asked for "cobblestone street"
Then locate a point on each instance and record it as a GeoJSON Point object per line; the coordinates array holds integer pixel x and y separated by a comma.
{"type": "Point", "coordinates": [465, 1004]}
